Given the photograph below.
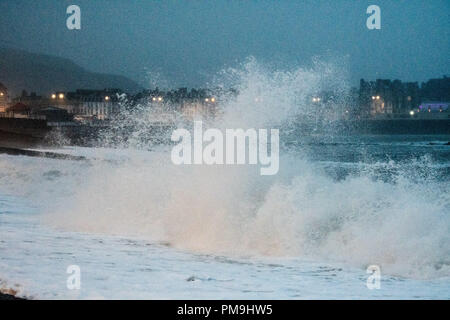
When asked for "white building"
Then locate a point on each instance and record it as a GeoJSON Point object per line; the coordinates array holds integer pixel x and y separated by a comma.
{"type": "Point", "coordinates": [88, 104]}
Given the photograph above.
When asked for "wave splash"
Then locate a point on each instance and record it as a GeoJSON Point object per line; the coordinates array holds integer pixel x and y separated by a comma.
{"type": "Point", "coordinates": [402, 225]}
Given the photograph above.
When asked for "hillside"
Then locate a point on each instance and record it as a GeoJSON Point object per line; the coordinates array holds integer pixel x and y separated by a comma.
{"type": "Point", "coordinates": [44, 74]}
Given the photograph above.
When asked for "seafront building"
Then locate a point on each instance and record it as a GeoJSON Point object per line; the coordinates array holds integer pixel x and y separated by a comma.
{"type": "Point", "coordinates": [395, 99]}
{"type": "Point", "coordinates": [386, 97]}
{"type": "Point", "coordinates": [379, 99]}
{"type": "Point", "coordinates": [3, 98]}
{"type": "Point", "coordinates": [89, 106]}
{"type": "Point", "coordinates": [80, 104]}
{"type": "Point", "coordinates": [178, 104]}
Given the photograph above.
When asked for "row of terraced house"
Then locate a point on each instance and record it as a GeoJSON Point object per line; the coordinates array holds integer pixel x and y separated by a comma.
{"type": "Point", "coordinates": [92, 105]}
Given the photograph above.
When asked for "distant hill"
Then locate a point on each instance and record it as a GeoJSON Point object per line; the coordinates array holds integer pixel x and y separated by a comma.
{"type": "Point", "coordinates": [44, 74]}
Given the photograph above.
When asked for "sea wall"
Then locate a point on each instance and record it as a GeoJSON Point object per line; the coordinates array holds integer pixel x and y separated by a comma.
{"type": "Point", "coordinates": [397, 126]}
{"type": "Point", "coordinates": [30, 127]}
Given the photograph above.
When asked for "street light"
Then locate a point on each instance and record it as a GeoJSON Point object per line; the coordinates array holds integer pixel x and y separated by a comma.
{"type": "Point", "coordinates": [1, 94]}
{"type": "Point", "coordinates": [411, 112]}
{"type": "Point", "coordinates": [107, 98]}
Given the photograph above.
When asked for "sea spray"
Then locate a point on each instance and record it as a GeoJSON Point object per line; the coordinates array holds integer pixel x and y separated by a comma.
{"type": "Point", "coordinates": [401, 225]}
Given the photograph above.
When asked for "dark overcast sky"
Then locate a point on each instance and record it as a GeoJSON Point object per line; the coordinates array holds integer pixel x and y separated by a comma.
{"type": "Point", "coordinates": [186, 41]}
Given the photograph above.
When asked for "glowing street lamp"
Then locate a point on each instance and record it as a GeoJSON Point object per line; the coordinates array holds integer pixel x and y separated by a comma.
{"type": "Point", "coordinates": [411, 112]}
{"type": "Point", "coordinates": [1, 94]}
{"type": "Point", "coordinates": [107, 98]}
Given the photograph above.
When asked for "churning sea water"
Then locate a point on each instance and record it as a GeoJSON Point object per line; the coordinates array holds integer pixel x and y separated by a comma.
{"type": "Point", "coordinates": [140, 228]}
